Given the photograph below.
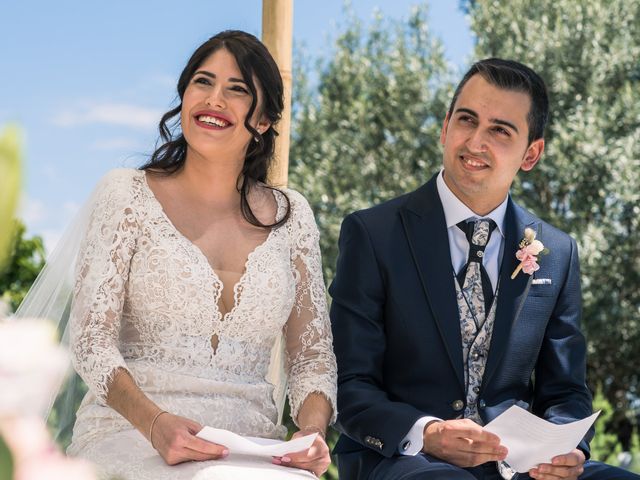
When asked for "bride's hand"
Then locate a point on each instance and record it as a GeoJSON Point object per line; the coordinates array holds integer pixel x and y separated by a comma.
{"type": "Point", "coordinates": [316, 459]}
{"type": "Point", "coordinates": [174, 438]}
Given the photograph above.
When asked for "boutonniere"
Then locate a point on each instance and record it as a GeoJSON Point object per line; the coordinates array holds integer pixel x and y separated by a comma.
{"type": "Point", "coordinates": [528, 253]}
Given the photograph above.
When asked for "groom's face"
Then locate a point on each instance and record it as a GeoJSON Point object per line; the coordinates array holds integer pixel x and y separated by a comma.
{"type": "Point", "coordinates": [486, 142]}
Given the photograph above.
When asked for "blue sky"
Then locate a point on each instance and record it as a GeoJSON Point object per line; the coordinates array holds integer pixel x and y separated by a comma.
{"type": "Point", "coordinates": [88, 81]}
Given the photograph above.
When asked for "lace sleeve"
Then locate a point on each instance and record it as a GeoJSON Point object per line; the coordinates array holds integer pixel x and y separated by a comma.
{"type": "Point", "coordinates": [101, 275]}
{"type": "Point", "coordinates": [310, 362]}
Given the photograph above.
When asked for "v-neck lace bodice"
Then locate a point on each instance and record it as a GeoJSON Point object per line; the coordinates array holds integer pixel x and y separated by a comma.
{"type": "Point", "coordinates": [219, 285]}
{"type": "Point", "coordinates": [146, 300]}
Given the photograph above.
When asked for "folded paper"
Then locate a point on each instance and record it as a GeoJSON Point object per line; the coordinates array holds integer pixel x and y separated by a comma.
{"type": "Point", "coordinates": [262, 447]}
{"type": "Point", "coordinates": [532, 440]}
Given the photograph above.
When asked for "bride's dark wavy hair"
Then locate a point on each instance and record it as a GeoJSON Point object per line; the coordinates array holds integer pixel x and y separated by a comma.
{"type": "Point", "coordinates": [252, 58]}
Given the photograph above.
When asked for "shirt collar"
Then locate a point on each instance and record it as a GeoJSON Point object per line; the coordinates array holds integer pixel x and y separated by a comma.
{"type": "Point", "coordinates": [455, 211]}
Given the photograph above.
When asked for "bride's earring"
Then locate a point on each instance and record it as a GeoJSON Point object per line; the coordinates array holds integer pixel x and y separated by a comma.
{"type": "Point", "coordinates": [260, 132]}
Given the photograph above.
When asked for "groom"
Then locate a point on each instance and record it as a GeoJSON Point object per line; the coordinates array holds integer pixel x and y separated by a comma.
{"type": "Point", "coordinates": [437, 327]}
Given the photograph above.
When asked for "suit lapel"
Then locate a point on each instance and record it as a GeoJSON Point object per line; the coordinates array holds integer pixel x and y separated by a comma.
{"type": "Point", "coordinates": [512, 293]}
{"type": "Point", "coordinates": [426, 231]}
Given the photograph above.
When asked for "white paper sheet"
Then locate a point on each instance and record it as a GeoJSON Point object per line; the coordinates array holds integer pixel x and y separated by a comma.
{"type": "Point", "coordinates": [262, 447]}
{"type": "Point", "coordinates": [532, 440]}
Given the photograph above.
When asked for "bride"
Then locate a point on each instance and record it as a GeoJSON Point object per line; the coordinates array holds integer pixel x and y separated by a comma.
{"type": "Point", "coordinates": [190, 272]}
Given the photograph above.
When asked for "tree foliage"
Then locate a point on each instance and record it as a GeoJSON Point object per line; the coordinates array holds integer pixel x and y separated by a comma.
{"type": "Point", "coordinates": [587, 182]}
{"type": "Point", "coordinates": [26, 259]}
{"type": "Point", "coordinates": [605, 446]}
{"type": "Point", "coordinates": [369, 130]}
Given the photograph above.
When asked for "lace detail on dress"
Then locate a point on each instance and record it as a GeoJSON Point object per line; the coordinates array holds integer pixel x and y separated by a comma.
{"type": "Point", "coordinates": [146, 300]}
{"type": "Point", "coordinates": [99, 292]}
{"type": "Point", "coordinates": [310, 362]}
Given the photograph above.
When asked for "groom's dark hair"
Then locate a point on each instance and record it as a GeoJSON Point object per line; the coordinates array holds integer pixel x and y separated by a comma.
{"type": "Point", "coordinates": [512, 75]}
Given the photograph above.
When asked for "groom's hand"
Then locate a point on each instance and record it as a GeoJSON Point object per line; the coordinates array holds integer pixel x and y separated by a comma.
{"type": "Point", "coordinates": [175, 439]}
{"type": "Point", "coordinates": [462, 443]}
{"type": "Point", "coordinates": [568, 466]}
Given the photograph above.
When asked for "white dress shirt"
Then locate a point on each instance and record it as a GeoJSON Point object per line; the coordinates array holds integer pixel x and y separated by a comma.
{"type": "Point", "coordinates": [456, 211]}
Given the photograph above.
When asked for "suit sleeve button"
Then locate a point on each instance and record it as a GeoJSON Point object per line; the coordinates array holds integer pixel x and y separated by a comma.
{"type": "Point", "coordinates": [457, 405]}
{"type": "Point", "coordinates": [482, 404]}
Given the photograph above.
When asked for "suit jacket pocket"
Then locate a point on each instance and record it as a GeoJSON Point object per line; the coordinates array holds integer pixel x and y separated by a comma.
{"type": "Point", "coordinates": [542, 287]}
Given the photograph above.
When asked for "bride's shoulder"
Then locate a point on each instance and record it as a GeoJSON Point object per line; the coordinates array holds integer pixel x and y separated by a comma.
{"type": "Point", "coordinates": [120, 179]}
{"type": "Point", "coordinates": [119, 175]}
{"type": "Point", "coordinates": [300, 208]}
{"type": "Point", "coordinates": [297, 200]}
{"type": "Point", "coordinates": [119, 186]}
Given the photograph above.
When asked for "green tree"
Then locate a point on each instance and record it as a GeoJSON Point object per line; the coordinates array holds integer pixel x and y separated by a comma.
{"type": "Point", "coordinates": [369, 130]}
{"type": "Point", "coordinates": [26, 259]}
{"type": "Point", "coordinates": [588, 181]}
{"type": "Point", "coordinates": [605, 445]}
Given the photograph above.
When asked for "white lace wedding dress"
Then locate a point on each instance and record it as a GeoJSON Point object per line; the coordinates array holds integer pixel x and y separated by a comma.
{"type": "Point", "coordinates": [146, 300]}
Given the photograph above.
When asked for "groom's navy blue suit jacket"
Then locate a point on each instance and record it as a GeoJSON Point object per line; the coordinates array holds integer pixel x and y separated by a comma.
{"type": "Point", "coordinates": [397, 331]}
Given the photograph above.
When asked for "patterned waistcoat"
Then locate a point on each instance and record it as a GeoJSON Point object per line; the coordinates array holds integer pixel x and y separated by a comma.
{"type": "Point", "coordinates": [476, 329]}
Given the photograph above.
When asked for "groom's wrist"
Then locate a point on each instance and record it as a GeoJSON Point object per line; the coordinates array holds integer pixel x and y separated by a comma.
{"type": "Point", "coordinates": [412, 443]}
{"type": "Point", "coordinates": [426, 432]}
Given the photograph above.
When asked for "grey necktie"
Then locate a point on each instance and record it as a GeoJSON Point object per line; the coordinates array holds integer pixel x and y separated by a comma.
{"type": "Point", "coordinates": [473, 278]}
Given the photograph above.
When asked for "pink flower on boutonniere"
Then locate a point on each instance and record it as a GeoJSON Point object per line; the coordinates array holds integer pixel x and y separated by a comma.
{"type": "Point", "coordinates": [530, 248]}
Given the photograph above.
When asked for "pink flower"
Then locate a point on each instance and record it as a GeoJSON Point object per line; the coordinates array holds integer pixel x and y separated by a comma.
{"type": "Point", "coordinates": [530, 265]}
{"type": "Point", "coordinates": [528, 253]}
{"type": "Point", "coordinates": [535, 247]}
{"type": "Point", "coordinates": [528, 261]}
{"type": "Point", "coordinates": [32, 366]}
{"type": "Point", "coordinates": [36, 456]}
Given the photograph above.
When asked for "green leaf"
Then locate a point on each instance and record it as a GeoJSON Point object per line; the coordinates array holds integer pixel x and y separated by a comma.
{"type": "Point", "coordinates": [6, 461]}
{"type": "Point", "coordinates": [10, 175]}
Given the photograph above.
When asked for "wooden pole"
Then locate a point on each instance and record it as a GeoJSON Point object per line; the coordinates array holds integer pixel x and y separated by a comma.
{"type": "Point", "coordinates": [277, 35]}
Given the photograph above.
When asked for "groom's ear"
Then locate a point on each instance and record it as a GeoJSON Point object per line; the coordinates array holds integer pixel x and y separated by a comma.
{"type": "Point", "coordinates": [443, 132]}
{"type": "Point", "coordinates": [532, 155]}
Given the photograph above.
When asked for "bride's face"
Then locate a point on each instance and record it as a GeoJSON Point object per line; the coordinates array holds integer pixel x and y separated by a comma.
{"type": "Point", "coordinates": [215, 105]}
